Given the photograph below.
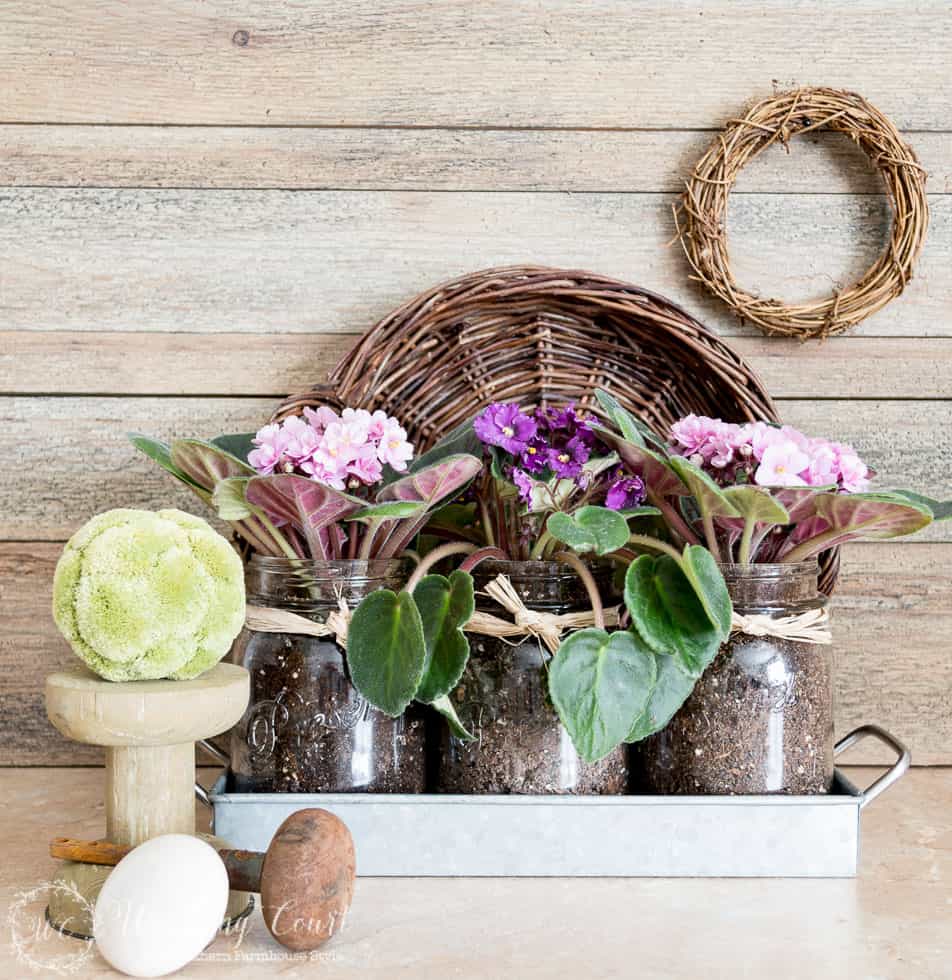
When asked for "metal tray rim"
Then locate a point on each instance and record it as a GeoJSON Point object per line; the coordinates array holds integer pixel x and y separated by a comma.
{"type": "Point", "coordinates": [844, 794]}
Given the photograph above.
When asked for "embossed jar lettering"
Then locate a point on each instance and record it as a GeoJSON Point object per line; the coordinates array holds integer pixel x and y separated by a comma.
{"type": "Point", "coordinates": [307, 729]}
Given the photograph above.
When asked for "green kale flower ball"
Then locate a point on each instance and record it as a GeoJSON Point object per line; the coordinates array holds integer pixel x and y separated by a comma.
{"type": "Point", "coordinates": [143, 595]}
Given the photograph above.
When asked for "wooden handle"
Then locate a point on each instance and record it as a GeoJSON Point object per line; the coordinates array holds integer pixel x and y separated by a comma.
{"type": "Point", "coordinates": [87, 851]}
{"type": "Point", "coordinates": [243, 867]}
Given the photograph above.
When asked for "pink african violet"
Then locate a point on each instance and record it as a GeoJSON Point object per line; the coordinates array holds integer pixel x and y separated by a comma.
{"type": "Point", "coordinates": [344, 451]}
{"type": "Point", "coordinates": [767, 455]}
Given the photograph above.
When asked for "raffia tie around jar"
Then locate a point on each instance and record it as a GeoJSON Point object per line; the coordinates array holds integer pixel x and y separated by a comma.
{"type": "Point", "coordinates": [267, 619]}
{"type": "Point", "coordinates": [547, 627]}
{"type": "Point", "coordinates": [808, 627]}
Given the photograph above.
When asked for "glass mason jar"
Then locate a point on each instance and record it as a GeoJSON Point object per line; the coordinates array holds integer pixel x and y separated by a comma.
{"type": "Point", "coordinates": [760, 719]}
{"type": "Point", "coordinates": [503, 699]}
{"type": "Point", "coordinates": [306, 728]}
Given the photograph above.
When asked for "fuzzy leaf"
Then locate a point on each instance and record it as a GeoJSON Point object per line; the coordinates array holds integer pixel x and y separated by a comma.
{"type": "Point", "coordinates": [631, 428]}
{"type": "Point", "coordinates": [670, 691]}
{"type": "Point", "coordinates": [590, 529]}
{"type": "Point", "coordinates": [394, 510]}
{"type": "Point", "coordinates": [238, 444]}
{"type": "Point", "coordinates": [621, 417]}
{"type": "Point", "coordinates": [435, 483]}
{"type": "Point", "coordinates": [710, 498]}
{"type": "Point", "coordinates": [941, 509]}
{"type": "Point", "coordinates": [446, 605]}
{"type": "Point", "coordinates": [228, 499]}
{"type": "Point", "coordinates": [629, 513]}
{"type": "Point", "coordinates": [431, 486]}
{"type": "Point", "coordinates": [161, 454]}
{"type": "Point", "coordinates": [660, 479]}
{"type": "Point", "coordinates": [459, 441]}
{"type": "Point", "coordinates": [205, 463]}
{"type": "Point", "coordinates": [446, 709]}
{"type": "Point", "coordinates": [669, 614]}
{"type": "Point", "coordinates": [705, 576]}
{"type": "Point", "coordinates": [307, 505]}
{"type": "Point", "coordinates": [600, 683]}
{"type": "Point", "coordinates": [870, 515]}
{"type": "Point", "coordinates": [386, 650]}
{"type": "Point", "coordinates": [757, 504]}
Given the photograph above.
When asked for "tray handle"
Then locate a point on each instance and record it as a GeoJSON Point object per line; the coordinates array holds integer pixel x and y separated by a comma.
{"type": "Point", "coordinates": [201, 794]}
{"type": "Point", "coordinates": [891, 775]}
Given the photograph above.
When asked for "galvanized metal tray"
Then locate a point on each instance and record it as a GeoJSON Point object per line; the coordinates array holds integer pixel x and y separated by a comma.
{"type": "Point", "coordinates": [581, 836]}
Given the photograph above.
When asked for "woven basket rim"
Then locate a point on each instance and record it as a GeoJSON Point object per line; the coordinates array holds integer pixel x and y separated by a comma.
{"type": "Point", "coordinates": [429, 362]}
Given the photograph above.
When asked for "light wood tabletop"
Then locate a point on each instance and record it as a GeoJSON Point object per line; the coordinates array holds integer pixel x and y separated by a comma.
{"type": "Point", "coordinates": [893, 921]}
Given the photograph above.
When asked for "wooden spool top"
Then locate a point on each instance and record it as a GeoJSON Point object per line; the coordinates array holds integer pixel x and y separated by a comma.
{"type": "Point", "coordinates": [86, 708]}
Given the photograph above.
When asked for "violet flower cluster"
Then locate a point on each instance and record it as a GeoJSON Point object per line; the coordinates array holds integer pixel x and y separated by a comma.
{"type": "Point", "coordinates": [554, 443]}
{"type": "Point", "coordinates": [346, 451]}
{"type": "Point", "coordinates": [767, 455]}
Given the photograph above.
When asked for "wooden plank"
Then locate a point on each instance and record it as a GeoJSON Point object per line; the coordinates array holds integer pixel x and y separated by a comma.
{"type": "Point", "coordinates": [110, 362]}
{"type": "Point", "coordinates": [607, 63]}
{"type": "Point", "coordinates": [336, 261]}
{"type": "Point", "coordinates": [891, 620]}
{"type": "Point", "coordinates": [298, 158]}
{"type": "Point", "coordinates": [73, 460]}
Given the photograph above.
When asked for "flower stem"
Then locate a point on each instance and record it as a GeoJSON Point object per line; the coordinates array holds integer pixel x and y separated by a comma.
{"type": "Point", "coordinates": [481, 554]}
{"type": "Point", "coordinates": [743, 554]}
{"type": "Point", "coordinates": [707, 520]}
{"type": "Point", "coordinates": [487, 523]}
{"type": "Point", "coordinates": [573, 561]}
{"type": "Point", "coordinates": [278, 537]}
{"type": "Point", "coordinates": [366, 546]}
{"type": "Point", "coordinates": [250, 534]}
{"type": "Point", "coordinates": [810, 547]}
{"type": "Point", "coordinates": [653, 543]}
{"type": "Point", "coordinates": [675, 521]}
{"type": "Point", "coordinates": [540, 546]}
{"type": "Point", "coordinates": [437, 554]}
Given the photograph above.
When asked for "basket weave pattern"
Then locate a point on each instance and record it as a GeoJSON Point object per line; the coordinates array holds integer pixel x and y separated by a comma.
{"type": "Point", "coordinates": [540, 336]}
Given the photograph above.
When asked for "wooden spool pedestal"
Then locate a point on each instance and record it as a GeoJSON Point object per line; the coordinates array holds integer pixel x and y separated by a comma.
{"type": "Point", "coordinates": [149, 730]}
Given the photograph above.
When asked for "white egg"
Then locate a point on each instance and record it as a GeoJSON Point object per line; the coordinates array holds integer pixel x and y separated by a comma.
{"type": "Point", "coordinates": [161, 906]}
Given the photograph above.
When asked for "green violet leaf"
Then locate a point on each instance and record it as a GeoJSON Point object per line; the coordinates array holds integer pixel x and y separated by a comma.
{"type": "Point", "coordinates": [668, 613]}
{"type": "Point", "coordinates": [590, 529]}
{"type": "Point", "coordinates": [705, 576]}
{"type": "Point", "coordinates": [386, 650]}
{"type": "Point", "coordinates": [162, 454]}
{"type": "Point", "coordinates": [671, 690]}
{"type": "Point", "coordinates": [757, 504]}
{"type": "Point", "coordinates": [446, 709]}
{"type": "Point", "coordinates": [600, 683]}
{"type": "Point", "coordinates": [445, 605]}
{"type": "Point", "coordinates": [941, 509]}
{"type": "Point", "coordinates": [710, 498]}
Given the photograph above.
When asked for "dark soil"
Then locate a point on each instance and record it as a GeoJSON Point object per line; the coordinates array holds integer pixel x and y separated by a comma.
{"type": "Point", "coordinates": [307, 730]}
{"type": "Point", "coordinates": [759, 721]}
{"type": "Point", "coordinates": [521, 746]}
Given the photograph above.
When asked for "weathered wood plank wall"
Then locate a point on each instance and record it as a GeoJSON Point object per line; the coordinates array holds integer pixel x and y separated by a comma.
{"type": "Point", "coordinates": [212, 198]}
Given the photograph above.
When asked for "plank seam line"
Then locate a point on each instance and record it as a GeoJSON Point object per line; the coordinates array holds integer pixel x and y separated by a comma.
{"type": "Point", "coordinates": [404, 127]}
{"type": "Point", "coordinates": [398, 189]}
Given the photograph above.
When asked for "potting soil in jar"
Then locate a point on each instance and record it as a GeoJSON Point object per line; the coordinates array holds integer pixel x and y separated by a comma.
{"type": "Point", "coordinates": [760, 719]}
{"type": "Point", "coordinates": [520, 745]}
{"type": "Point", "coordinates": [307, 729]}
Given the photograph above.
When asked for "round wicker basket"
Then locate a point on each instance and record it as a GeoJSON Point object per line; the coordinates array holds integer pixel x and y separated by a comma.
{"type": "Point", "coordinates": [541, 335]}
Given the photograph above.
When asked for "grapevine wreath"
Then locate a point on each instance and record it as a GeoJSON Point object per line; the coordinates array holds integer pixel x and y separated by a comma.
{"type": "Point", "coordinates": [701, 215]}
